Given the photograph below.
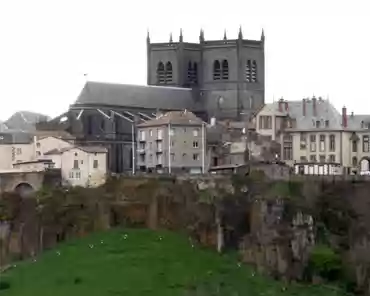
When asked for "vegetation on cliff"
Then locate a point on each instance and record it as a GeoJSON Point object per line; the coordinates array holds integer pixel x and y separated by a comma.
{"type": "Point", "coordinates": [140, 262]}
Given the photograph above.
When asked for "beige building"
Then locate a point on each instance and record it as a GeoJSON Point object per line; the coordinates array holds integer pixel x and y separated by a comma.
{"type": "Point", "coordinates": [172, 142]}
{"type": "Point", "coordinates": [83, 166]}
{"type": "Point", "coordinates": [312, 131]}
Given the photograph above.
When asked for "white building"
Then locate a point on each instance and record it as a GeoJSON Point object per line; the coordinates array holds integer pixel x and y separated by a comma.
{"type": "Point", "coordinates": [313, 133]}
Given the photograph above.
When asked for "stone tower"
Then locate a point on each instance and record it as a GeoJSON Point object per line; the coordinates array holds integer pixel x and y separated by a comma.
{"type": "Point", "coordinates": [227, 75]}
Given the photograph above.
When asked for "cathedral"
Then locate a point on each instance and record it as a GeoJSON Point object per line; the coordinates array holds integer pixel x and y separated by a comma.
{"type": "Point", "coordinates": [213, 78]}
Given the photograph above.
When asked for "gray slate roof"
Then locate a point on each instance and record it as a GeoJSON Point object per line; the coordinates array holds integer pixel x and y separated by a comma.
{"type": "Point", "coordinates": [174, 117]}
{"type": "Point", "coordinates": [137, 96]}
{"type": "Point", "coordinates": [25, 120]}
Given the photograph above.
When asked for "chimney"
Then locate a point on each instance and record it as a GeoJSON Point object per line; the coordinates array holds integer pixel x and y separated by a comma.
{"type": "Point", "coordinates": [314, 107]}
{"type": "Point", "coordinates": [304, 107]}
{"type": "Point", "coordinates": [281, 101]}
{"type": "Point", "coordinates": [344, 116]}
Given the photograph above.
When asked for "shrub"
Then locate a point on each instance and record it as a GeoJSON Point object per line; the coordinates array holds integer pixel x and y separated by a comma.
{"type": "Point", "coordinates": [325, 262]}
{"type": "Point", "coordinates": [4, 285]}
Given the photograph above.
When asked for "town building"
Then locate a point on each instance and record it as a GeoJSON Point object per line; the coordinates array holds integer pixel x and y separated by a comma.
{"type": "Point", "coordinates": [174, 142]}
{"type": "Point", "coordinates": [315, 137]}
{"type": "Point", "coordinates": [211, 78]}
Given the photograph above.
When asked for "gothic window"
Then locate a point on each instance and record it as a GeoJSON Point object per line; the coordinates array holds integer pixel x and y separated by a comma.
{"type": "Point", "coordinates": [365, 144]}
{"type": "Point", "coordinates": [190, 70]}
{"type": "Point", "coordinates": [168, 72]}
{"type": "Point", "coordinates": [192, 73]}
{"type": "Point", "coordinates": [254, 71]}
{"type": "Point", "coordinates": [225, 70]}
{"type": "Point", "coordinates": [248, 69]}
{"type": "Point", "coordinates": [216, 70]}
{"type": "Point", "coordinates": [160, 73]}
{"type": "Point", "coordinates": [195, 73]}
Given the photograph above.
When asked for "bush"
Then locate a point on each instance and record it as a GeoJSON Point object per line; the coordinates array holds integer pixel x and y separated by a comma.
{"type": "Point", "coordinates": [4, 285]}
{"type": "Point", "coordinates": [325, 262]}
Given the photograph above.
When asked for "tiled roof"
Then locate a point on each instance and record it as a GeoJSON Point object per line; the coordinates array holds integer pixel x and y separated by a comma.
{"type": "Point", "coordinates": [87, 149]}
{"type": "Point", "coordinates": [174, 117]}
{"type": "Point", "coordinates": [25, 120]}
{"type": "Point", "coordinates": [324, 111]}
{"type": "Point", "coordinates": [137, 96]}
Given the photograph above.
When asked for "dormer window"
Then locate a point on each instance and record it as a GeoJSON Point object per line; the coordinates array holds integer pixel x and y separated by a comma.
{"type": "Point", "coordinates": [317, 123]}
{"type": "Point", "coordinates": [326, 123]}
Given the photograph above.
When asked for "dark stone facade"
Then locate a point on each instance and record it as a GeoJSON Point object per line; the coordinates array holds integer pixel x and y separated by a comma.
{"type": "Point", "coordinates": [222, 78]}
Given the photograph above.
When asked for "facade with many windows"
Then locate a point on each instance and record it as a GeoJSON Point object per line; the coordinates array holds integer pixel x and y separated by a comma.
{"type": "Point", "coordinates": [313, 133]}
{"type": "Point", "coordinates": [172, 142]}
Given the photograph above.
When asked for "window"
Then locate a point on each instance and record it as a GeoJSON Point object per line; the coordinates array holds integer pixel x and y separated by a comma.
{"type": "Point", "coordinates": [19, 151]}
{"type": "Point", "coordinates": [195, 156]}
{"type": "Point", "coordinates": [248, 69]}
{"type": "Point", "coordinates": [160, 73]}
{"type": "Point", "coordinates": [313, 143]}
{"type": "Point", "coordinates": [184, 129]}
{"type": "Point", "coordinates": [331, 158]}
{"type": "Point", "coordinates": [322, 143]}
{"type": "Point", "coordinates": [142, 157]}
{"type": "Point", "coordinates": [287, 147]}
{"type": "Point", "coordinates": [159, 146]}
{"type": "Point", "coordinates": [168, 74]}
{"type": "Point", "coordinates": [75, 164]}
{"type": "Point", "coordinates": [71, 175]}
{"type": "Point", "coordinates": [326, 123]}
{"type": "Point", "coordinates": [195, 144]}
{"type": "Point", "coordinates": [216, 70]}
{"type": "Point", "coordinates": [78, 175]}
{"type": "Point", "coordinates": [225, 70]}
{"type": "Point", "coordinates": [265, 122]}
{"type": "Point", "coordinates": [142, 135]}
{"type": "Point", "coordinates": [365, 143]}
{"type": "Point", "coordinates": [354, 146]}
{"type": "Point", "coordinates": [303, 141]}
{"type": "Point", "coordinates": [95, 164]}
{"type": "Point", "coordinates": [254, 72]}
{"type": "Point", "coordinates": [172, 143]}
{"type": "Point", "coordinates": [322, 158]}
{"type": "Point", "coordinates": [192, 73]}
{"type": "Point", "coordinates": [317, 123]}
{"type": "Point", "coordinates": [38, 145]}
{"type": "Point", "coordinates": [312, 158]}
{"type": "Point", "coordinates": [172, 132]}
{"type": "Point", "coordinates": [196, 132]}
{"type": "Point", "coordinates": [332, 143]}
{"type": "Point", "coordinates": [150, 133]}
{"type": "Point", "coordinates": [303, 159]}
{"type": "Point", "coordinates": [159, 134]}
{"type": "Point", "coordinates": [172, 156]}
{"type": "Point", "coordinates": [354, 161]}
{"type": "Point", "coordinates": [38, 153]}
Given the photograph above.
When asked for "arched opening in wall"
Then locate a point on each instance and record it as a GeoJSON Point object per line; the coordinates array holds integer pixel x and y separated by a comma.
{"type": "Point", "coordinates": [190, 72]}
{"type": "Point", "coordinates": [254, 71]}
{"type": "Point", "coordinates": [248, 71]}
{"type": "Point", "coordinates": [168, 72]}
{"type": "Point", "coordinates": [160, 73]}
{"type": "Point", "coordinates": [89, 124]}
{"type": "Point", "coordinates": [216, 70]}
{"type": "Point", "coordinates": [195, 73]}
{"type": "Point", "coordinates": [365, 165]}
{"type": "Point", "coordinates": [225, 70]}
{"type": "Point", "coordinates": [24, 190]}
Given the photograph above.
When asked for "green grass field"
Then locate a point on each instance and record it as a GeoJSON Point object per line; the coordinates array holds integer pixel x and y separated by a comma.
{"type": "Point", "coordinates": [141, 262]}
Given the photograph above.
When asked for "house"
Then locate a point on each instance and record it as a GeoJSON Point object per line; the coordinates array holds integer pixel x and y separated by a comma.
{"type": "Point", "coordinates": [34, 165]}
{"type": "Point", "coordinates": [44, 144]}
{"type": "Point", "coordinates": [312, 131]}
{"type": "Point", "coordinates": [173, 142]}
{"type": "Point", "coordinates": [83, 166]}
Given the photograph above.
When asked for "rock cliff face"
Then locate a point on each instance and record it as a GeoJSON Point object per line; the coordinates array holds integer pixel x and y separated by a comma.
{"type": "Point", "coordinates": [288, 229]}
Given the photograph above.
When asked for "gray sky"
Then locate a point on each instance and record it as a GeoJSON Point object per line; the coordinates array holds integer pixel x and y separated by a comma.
{"type": "Point", "coordinates": [312, 47]}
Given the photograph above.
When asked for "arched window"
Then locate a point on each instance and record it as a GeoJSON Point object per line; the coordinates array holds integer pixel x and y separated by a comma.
{"type": "Point", "coordinates": [254, 71]}
{"type": "Point", "coordinates": [190, 71]}
{"type": "Point", "coordinates": [354, 161]}
{"type": "Point", "coordinates": [225, 70]}
{"type": "Point", "coordinates": [168, 72]}
{"type": "Point", "coordinates": [216, 70]}
{"type": "Point", "coordinates": [160, 73]}
{"type": "Point", "coordinates": [195, 73]}
{"type": "Point", "coordinates": [248, 69]}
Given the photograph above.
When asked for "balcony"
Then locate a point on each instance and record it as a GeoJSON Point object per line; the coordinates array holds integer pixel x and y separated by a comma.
{"type": "Point", "coordinates": [159, 150]}
{"type": "Point", "coordinates": [141, 150]}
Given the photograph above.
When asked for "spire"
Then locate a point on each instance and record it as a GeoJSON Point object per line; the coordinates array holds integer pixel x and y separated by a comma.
{"type": "Point", "coordinates": [240, 35]}
{"type": "Point", "coordinates": [181, 38]}
{"type": "Point", "coordinates": [263, 35]}
{"type": "Point", "coordinates": [171, 40]}
{"type": "Point", "coordinates": [147, 36]}
{"type": "Point", "coordinates": [225, 37]}
{"type": "Point", "coordinates": [201, 36]}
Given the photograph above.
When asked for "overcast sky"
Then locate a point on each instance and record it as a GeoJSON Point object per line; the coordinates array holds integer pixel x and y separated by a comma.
{"type": "Point", "coordinates": [321, 47]}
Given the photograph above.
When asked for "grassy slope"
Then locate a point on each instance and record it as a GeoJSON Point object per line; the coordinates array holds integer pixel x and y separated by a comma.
{"type": "Point", "coordinates": [141, 264]}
